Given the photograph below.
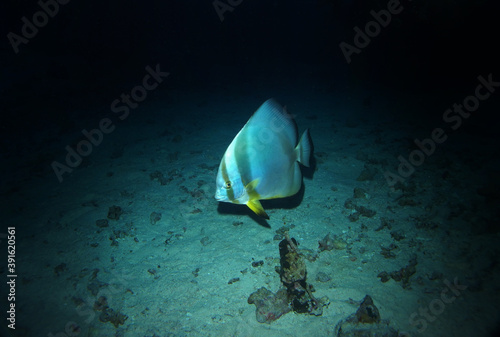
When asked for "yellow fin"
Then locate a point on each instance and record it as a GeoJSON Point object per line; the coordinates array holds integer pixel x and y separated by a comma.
{"type": "Point", "coordinates": [250, 188]}
{"type": "Point", "coordinates": [256, 207]}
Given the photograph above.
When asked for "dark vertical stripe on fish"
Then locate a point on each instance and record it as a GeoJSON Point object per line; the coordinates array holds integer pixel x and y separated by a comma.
{"type": "Point", "coordinates": [230, 193]}
{"type": "Point", "coordinates": [244, 153]}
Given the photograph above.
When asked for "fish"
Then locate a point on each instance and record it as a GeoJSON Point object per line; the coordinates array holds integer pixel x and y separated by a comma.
{"type": "Point", "coordinates": [262, 161]}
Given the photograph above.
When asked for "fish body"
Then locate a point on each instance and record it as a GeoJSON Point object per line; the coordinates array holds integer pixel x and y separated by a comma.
{"type": "Point", "coordinates": [262, 161]}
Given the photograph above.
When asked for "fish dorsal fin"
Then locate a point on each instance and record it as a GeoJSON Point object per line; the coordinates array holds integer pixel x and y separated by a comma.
{"type": "Point", "coordinates": [257, 208]}
{"type": "Point", "coordinates": [272, 117]}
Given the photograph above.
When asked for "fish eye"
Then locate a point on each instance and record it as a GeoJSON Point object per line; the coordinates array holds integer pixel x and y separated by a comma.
{"type": "Point", "coordinates": [228, 185]}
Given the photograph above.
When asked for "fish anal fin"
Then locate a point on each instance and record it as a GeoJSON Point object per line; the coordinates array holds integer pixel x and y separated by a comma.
{"type": "Point", "coordinates": [257, 208]}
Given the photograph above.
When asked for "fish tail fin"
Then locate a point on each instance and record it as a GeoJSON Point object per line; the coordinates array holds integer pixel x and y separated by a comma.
{"type": "Point", "coordinates": [304, 149]}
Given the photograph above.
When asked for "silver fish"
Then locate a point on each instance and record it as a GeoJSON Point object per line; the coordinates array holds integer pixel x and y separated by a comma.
{"type": "Point", "coordinates": [262, 161]}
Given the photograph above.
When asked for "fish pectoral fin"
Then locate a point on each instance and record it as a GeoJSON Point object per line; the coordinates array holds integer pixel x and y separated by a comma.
{"type": "Point", "coordinates": [254, 203]}
{"type": "Point", "coordinates": [250, 188]}
{"type": "Point", "coordinates": [257, 208]}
